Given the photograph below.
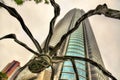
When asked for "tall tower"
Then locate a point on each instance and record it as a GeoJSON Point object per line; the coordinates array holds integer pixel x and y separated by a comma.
{"type": "Point", "coordinates": [80, 43]}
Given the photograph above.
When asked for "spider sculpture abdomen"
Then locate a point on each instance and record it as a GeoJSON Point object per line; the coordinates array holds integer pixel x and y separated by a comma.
{"type": "Point", "coordinates": [39, 64]}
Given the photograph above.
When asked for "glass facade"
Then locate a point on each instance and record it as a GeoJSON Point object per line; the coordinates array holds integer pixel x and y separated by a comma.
{"type": "Point", "coordinates": [75, 48]}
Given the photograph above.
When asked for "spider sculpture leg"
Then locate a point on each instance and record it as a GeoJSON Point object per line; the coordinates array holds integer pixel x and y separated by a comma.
{"type": "Point", "coordinates": [75, 69]}
{"type": "Point", "coordinates": [52, 23]}
{"type": "Point", "coordinates": [15, 14]}
{"type": "Point", "coordinates": [13, 36]}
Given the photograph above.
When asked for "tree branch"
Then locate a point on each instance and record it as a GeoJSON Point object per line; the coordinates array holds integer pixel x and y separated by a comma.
{"type": "Point", "coordinates": [13, 36]}
{"type": "Point", "coordinates": [100, 9]}
{"type": "Point", "coordinates": [15, 14]}
{"type": "Point", "coordinates": [52, 23]}
{"type": "Point", "coordinates": [104, 71]}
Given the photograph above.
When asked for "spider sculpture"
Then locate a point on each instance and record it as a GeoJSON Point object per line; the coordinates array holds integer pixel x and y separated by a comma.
{"type": "Point", "coordinates": [45, 57]}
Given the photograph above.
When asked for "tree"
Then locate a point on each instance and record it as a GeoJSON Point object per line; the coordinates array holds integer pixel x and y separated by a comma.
{"type": "Point", "coordinates": [3, 76]}
{"type": "Point", "coordinates": [19, 2]}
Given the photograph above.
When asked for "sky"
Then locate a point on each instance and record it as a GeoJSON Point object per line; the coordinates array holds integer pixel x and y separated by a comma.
{"type": "Point", "coordinates": [37, 18]}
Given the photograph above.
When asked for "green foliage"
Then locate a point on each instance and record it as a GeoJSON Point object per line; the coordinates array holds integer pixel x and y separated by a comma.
{"type": "Point", "coordinates": [3, 76]}
{"type": "Point", "coordinates": [20, 2]}
{"type": "Point", "coordinates": [38, 1]}
{"type": "Point", "coordinates": [46, 1]}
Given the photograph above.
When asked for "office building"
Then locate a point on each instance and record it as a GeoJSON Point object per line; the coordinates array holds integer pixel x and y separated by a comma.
{"type": "Point", "coordinates": [81, 43]}
{"type": "Point", "coordinates": [11, 69]}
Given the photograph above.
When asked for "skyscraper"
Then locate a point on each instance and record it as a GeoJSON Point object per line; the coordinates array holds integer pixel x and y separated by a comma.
{"type": "Point", "coordinates": [80, 43]}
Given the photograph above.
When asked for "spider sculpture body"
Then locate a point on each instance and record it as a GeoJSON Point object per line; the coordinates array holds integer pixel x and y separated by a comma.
{"type": "Point", "coordinates": [45, 57]}
{"type": "Point", "coordinates": [39, 64]}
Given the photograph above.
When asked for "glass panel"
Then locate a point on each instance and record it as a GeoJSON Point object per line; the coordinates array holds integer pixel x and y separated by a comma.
{"type": "Point", "coordinates": [81, 78]}
{"type": "Point", "coordinates": [68, 69]}
{"type": "Point", "coordinates": [79, 39]}
{"type": "Point", "coordinates": [76, 41]}
{"type": "Point", "coordinates": [75, 51]}
{"type": "Point", "coordinates": [75, 54]}
{"type": "Point", "coordinates": [76, 44]}
{"type": "Point", "coordinates": [81, 72]}
{"type": "Point", "coordinates": [77, 36]}
{"type": "Point", "coordinates": [80, 46]}
{"type": "Point", "coordinates": [82, 53]}
{"type": "Point", "coordinates": [79, 65]}
{"type": "Point", "coordinates": [67, 63]}
{"type": "Point", "coordinates": [76, 47]}
{"type": "Point", "coordinates": [73, 46]}
{"type": "Point", "coordinates": [67, 76]}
